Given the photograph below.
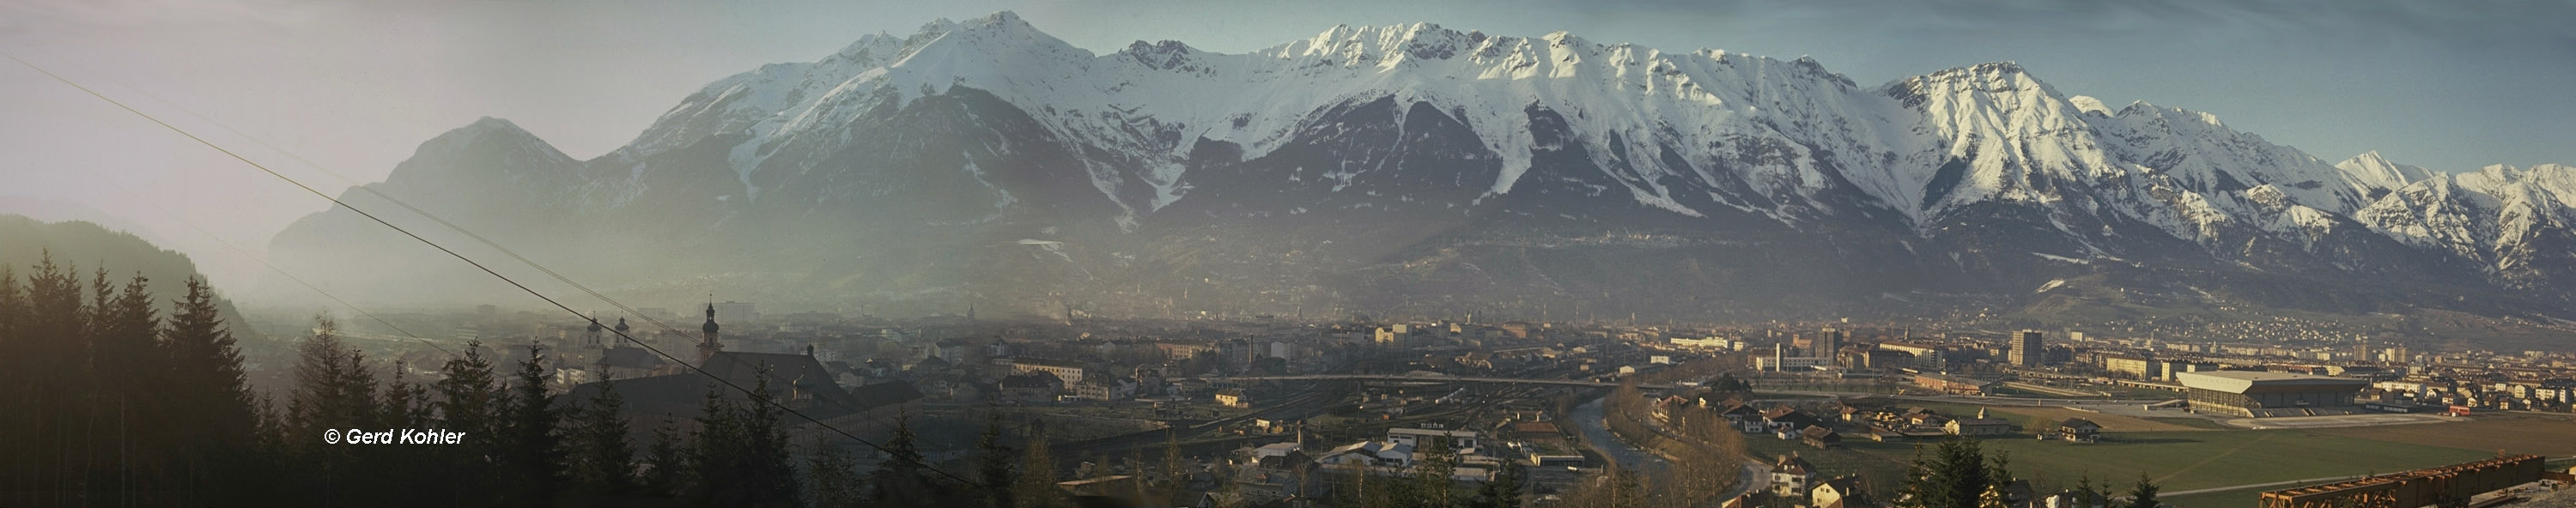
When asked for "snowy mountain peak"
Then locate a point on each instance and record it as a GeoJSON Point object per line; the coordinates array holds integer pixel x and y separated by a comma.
{"type": "Point", "coordinates": [2375, 170]}
{"type": "Point", "coordinates": [2088, 104]}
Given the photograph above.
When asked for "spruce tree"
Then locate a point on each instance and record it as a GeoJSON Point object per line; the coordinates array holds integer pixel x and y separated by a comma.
{"type": "Point", "coordinates": [211, 391]}
{"type": "Point", "coordinates": [334, 390]}
{"type": "Point", "coordinates": [898, 478]}
{"type": "Point", "coordinates": [772, 468]}
{"type": "Point", "coordinates": [834, 476]}
{"type": "Point", "coordinates": [2143, 494]}
{"type": "Point", "coordinates": [603, 461]}
{"type": "Point", "coordinates": [469, 402]}
{"type": "Point", "coordinates": [993, 462]}
{"type": "Point", "coordinates": [531, 457]}
{"type": "Point", "coordinates": [666, 465]}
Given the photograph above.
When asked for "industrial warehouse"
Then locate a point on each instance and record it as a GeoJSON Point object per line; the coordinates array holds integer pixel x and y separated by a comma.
{"type": "Point", "coordinates": [2270, 394]}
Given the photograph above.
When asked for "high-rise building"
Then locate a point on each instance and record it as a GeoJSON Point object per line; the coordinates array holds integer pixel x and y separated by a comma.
{"type": "Point", "coordinates": [2027, 351]}
{"type": "Point", "coordinates": [1829, 343]}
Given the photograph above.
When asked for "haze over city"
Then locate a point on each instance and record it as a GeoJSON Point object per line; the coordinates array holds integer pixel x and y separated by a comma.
{"type": "Point", "coordinates": [1518, 254]}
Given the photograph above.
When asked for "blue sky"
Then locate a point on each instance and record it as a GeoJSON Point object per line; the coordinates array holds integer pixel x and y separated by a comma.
{"type": "Point", "coordinates": [356, 85]}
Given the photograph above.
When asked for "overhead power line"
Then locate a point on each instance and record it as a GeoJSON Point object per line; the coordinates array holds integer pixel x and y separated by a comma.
{"type": "Point", "coordinates": [755, 396]}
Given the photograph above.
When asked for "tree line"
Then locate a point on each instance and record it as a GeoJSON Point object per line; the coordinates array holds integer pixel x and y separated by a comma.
{"type": "Point", "coordinates": [111, 400]}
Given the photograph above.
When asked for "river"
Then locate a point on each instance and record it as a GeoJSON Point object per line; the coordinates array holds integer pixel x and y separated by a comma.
{"type": "Point", "coordinates": [1587, 420]}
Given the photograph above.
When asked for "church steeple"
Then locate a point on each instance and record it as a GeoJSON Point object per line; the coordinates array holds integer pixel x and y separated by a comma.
{"type": "Point", "coordinates": [708, 347]}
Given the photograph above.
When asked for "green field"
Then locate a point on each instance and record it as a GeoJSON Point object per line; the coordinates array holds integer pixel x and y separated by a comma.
{"type": "Point", "coordinates": [2179, 461]}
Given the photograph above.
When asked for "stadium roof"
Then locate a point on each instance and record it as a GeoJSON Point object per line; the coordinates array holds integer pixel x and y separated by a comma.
{"type": "Point", "coordinates": [2233, 381]}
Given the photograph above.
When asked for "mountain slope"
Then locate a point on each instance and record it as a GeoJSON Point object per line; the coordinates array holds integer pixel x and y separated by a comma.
{"type": "Point", "coordinates": [1412, 166]}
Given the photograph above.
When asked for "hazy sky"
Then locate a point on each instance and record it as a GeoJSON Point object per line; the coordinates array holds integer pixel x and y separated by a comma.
{"type": "Point", "coordinates": [355, 86]}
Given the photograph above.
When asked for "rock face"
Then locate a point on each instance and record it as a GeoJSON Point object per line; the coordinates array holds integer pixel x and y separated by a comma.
{"type": "Point", "coordinates": [1414, 168]}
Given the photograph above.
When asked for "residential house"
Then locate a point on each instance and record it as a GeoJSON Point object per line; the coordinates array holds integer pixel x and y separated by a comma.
{"type": "Point", "coordinates": [1789, 475]}
{"type": "Point", "coordinates": [1820, 437]}
{"type": "Point", "coordinates": [1840, 492]}
{"type": "Point", "coordinates": [1233, 397]}
{"type": "Point", "coordinates": [2079, 430]}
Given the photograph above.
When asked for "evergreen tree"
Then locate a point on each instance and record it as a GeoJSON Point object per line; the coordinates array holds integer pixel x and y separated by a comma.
{"type": "Point", "coordinates": [835, 478]}
{"type": "Point", "coordinates": [739, 455]}
{"type": "Point", "coordinates": [130, 417]}
{"type": "Point", "coordinates": [603, 461]}
{"type": "Point", "coordinates": [469, 401]}
{"type": "Point", "coordinates": [771, 467]}
{"type": "Point", "coordinates": [333, 390]}
{"type": "Point", "coordinates": [898, 478]}
{"type": "Point", "coordinates": [2087, 494]}
{"type": "Point", "coordinates": [1956, 476]}
{"type": "Point", "coordinates": [2143, 494]}
{"type": "Point", "coordinates": [531, 457]}
{"type": "Point", "coordinates": [993, 462]}
{"type": "Point", "coordinates": [665, 465]}
{"type": "Point", "coordinates": [211, 393]}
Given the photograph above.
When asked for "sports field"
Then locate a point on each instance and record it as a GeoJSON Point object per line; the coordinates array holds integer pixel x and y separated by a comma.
{"type": "Point", "coordinates": [2550, 435]}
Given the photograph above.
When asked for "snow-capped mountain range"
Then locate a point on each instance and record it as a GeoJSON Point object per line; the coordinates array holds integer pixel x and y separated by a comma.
{"type": "Point", "coordinates": [988, 159]}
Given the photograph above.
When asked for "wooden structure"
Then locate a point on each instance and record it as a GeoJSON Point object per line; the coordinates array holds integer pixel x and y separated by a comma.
{"type": "Point", "coordinates": [2446, 486]}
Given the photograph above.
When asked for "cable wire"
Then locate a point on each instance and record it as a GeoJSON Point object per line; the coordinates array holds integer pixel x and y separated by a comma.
{"type": "Point", "coordinates": [755, 396]}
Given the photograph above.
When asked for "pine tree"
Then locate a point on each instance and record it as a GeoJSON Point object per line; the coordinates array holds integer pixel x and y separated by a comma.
{"type": "Point", "coordinates": [993, 462]}
{"type": "Point", "coordinates": [530, 460]}
{"type": "Point", "coordinates": [469, 401]}
{"type": "Point", "coordinates": [739, 455]}
{"type": "Point", "coordinates": [772, 468]}
{"type": "Point", "coordinates": [2087, 494]}
{"type": "Point", "coordinates": [212, 394]}
{"type": "Point", "coordinates": [835, 478]}
{"type": "Point", "coordinates": [1957, 475]}
{"type": "Point", "coordinates": [665, 465]}
{"type": "Point", "coordinates": [2143, 494]}
{"type": "Point", "coordinates": [603, 461]}
{"type": "Point", "coordinates": [333, 389]}
{"type": "Point", "coordinates": [898, 478]}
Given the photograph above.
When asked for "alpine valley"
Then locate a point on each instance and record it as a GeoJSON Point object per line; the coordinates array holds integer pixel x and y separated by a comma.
{"type": "Point", "coordinates": [1416, 169]}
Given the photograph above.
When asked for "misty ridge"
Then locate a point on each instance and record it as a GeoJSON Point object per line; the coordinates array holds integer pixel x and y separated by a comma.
{"type": "Point", "coordinates": [1423, 170]}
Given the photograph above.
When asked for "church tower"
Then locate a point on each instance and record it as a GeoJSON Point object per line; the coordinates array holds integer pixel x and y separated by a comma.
{"type": "Point", "coordinates": [708, 347]}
